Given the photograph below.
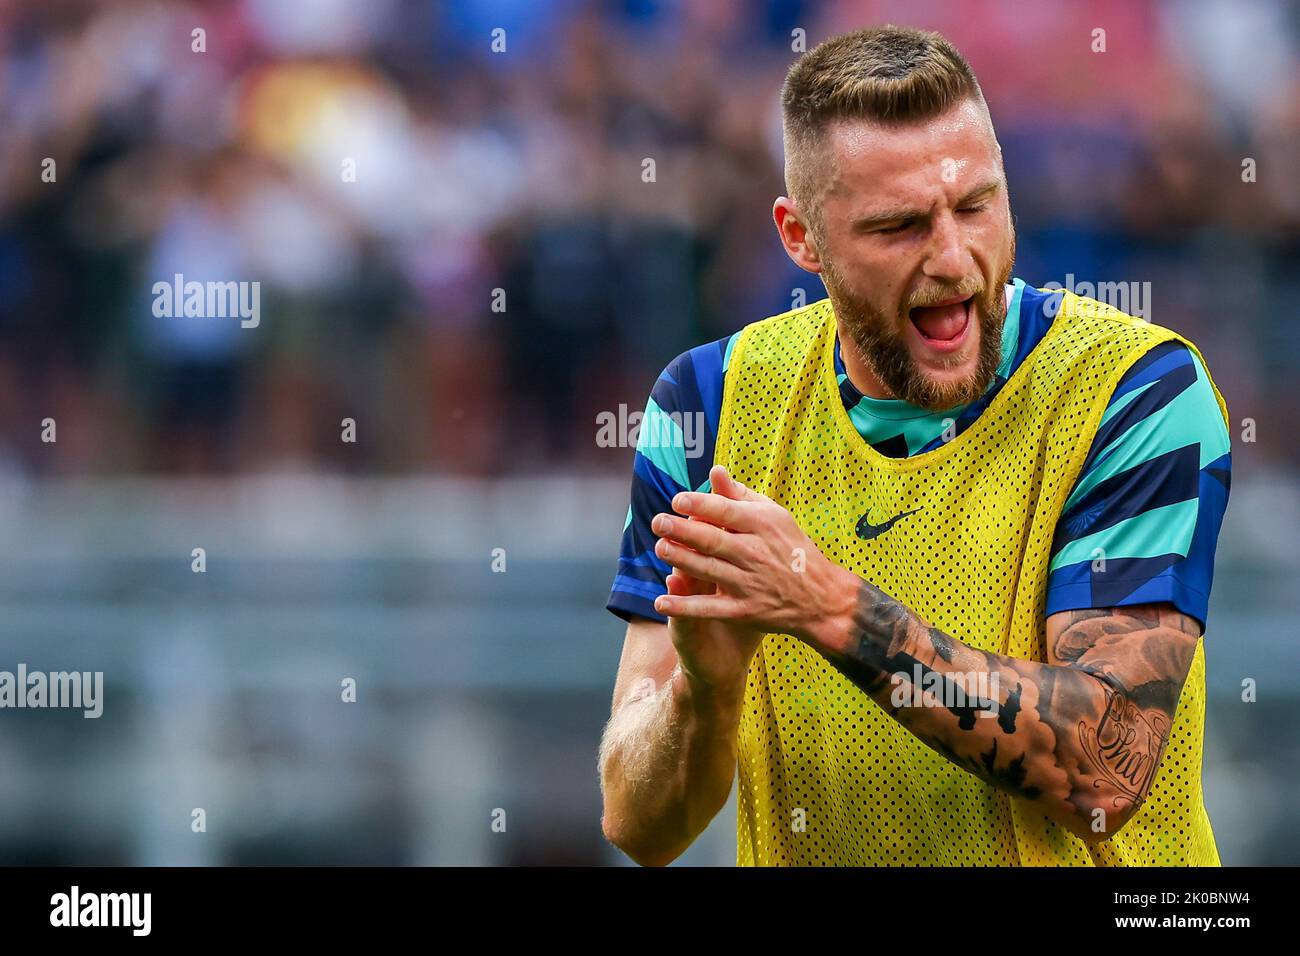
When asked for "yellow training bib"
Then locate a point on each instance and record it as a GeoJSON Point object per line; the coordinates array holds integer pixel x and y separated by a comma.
{"type": "Point", "coordinates": [825, 776]}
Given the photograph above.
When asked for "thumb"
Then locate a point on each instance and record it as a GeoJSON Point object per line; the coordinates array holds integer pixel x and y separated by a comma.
{"type": "Point", "coordinates": [721, 481]}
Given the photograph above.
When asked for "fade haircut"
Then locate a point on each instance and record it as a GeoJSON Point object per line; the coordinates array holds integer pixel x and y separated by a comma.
{"type": "Point", "coordinates": [889, 75]}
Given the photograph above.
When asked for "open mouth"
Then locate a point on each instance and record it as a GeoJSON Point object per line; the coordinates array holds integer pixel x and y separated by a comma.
{"type": "Point", "coordinates": [944, 325]}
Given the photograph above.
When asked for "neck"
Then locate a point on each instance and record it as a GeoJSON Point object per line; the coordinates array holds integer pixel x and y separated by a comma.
{"type": "Point", "coordinates": [863, 379]}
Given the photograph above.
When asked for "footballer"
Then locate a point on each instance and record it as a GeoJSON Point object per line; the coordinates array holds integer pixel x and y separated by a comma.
{"type": "Point", "coordinates": [934, 593]}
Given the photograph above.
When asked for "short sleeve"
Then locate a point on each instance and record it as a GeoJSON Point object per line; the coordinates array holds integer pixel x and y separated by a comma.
{"type": "Point", "coordinates": [1142, 522]}
{"type": "Point", "coordinates": [675, 444]}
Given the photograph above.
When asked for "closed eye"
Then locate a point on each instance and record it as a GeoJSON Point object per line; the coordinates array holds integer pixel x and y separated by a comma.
{"type": "Point", "coordinates": [909, 223]}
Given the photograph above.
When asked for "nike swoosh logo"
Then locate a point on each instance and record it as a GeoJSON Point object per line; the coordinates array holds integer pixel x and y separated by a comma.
{"type": "Point", "coordinates": [867, 530]}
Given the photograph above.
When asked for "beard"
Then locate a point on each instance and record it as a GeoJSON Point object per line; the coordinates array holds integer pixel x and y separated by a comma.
{"type": "Point", "coordinates": [881, 339]}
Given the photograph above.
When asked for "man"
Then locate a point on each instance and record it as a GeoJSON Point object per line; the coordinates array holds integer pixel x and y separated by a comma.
{"type": "Point", "coordinates": [937, 584]}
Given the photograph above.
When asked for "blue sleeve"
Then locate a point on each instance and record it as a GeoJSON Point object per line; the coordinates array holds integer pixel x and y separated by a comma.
{"type": "Point", "coordinates": [674, 452]}
{"type": "Point", "coordinates": [1142, 521]}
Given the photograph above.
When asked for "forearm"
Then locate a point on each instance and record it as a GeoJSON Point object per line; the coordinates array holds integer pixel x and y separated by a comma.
{"type": "Point", "coordinates": [1081, 736]}
{"type": "Point", "coordinates": [1067, 737]}
{"type": "Point", "coordinates": [667, 762]}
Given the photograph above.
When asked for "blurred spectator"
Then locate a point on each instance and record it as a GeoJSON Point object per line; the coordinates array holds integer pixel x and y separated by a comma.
{"type": "Point", "coordinates": [463, 250]}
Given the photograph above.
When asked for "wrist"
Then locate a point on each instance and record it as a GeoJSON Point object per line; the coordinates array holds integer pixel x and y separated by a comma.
{"type": "Point", "coordinates": [830, 627]}
{"type": "Point", "coordinates": [709, 704]}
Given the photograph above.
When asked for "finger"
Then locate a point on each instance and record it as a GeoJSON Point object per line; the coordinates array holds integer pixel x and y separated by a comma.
{"type": "Point", "coordinates": [679, 582]}
{"type": "Point", "coordinates": [703, 567]}
{"type": "Point", "coordinates": [721, 481]}
{"type": "Point", "coordinates": [718, 607]}
{"type": "Point", "coordinates": [699, 536]}
{"type": "Point", "coordinates": [717, 509]}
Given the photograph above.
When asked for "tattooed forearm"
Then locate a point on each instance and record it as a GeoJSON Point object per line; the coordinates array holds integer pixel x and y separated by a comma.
{"type": "Point", "coordinates": [1125, 746]}
{"type": "Point", "coordinates": [1083, 731]}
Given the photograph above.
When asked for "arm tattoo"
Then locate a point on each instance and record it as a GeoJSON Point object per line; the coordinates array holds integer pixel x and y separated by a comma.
{"type": "Point", "coordinates": [1125, 746]}
{"type": "Point", "coordinates": [1085, 730]}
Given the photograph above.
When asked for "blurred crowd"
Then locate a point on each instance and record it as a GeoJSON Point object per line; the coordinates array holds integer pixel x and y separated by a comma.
{"type": "Point", "coordinates": [461, 246]}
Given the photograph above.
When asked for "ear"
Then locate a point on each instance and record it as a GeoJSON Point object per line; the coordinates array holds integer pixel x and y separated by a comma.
{"type": "Point", "coordinates": [791, 226]}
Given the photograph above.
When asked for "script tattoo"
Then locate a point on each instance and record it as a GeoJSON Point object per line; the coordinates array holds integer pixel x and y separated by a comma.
{"type": "Point", "coordinates": [1125, 746]}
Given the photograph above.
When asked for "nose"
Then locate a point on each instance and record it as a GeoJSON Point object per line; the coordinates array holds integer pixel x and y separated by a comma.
{"type": "Point", "coordinates": [947, 258]}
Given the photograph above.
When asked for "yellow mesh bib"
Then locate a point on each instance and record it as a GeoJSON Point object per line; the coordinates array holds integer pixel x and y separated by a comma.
{"type": "Point", "coordinates": [825, 776]}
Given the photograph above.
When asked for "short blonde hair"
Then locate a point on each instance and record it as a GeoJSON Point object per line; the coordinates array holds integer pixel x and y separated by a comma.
{"type": "Point", "coordinates": [882, 74]}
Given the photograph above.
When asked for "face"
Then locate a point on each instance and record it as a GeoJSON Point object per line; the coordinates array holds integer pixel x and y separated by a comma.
{"type": "Point", "coordinates": [915, 246]}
